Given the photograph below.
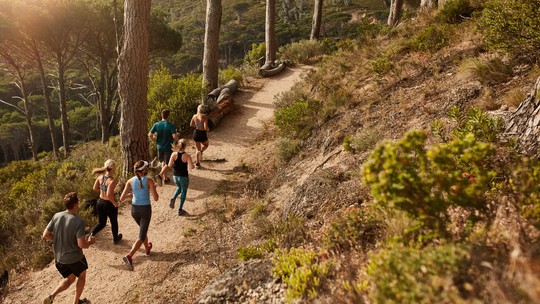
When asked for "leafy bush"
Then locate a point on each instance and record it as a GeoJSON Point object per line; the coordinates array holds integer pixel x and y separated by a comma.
{"type": "Point", "coordinates": [301, 270]}
{"type": "Point", "coordinates": [359, 227]}
{"type": "Point", "coordinates": [491, 71]}
{"type": "Point", "coordinates": [525, 183]}
{"type": "Point", "coordinates": [399, 274]}
{"type": "Point", "coordinates": [181, 95]}
{"type": "Point", "coordinates": [293, 121]}
{"type": "Point", "coordinates": [230, 73]}
{"type": "Point", "coordinates": [363, 141]}
{"type": "Point", "coordinates": [476, 122]}
{"type": "Point", "coordinates": [249, 253]}
{"type": "Point", "coordinates": [381, 65]}
{"type": "Point", "coordinates": [455, 11]}
{"type": "Point", "coordinates": [287, 149]}
{"type": "Point", "coordinates": [431, 39]}
{"type": "Point", "coordinates": [424, 183]}
{"type": "Point", "coordinates": [257, 51]}
{"type": "Point", "coordinates": [512, 26]}
{"type": "Point", "coordinates": [303, 51]}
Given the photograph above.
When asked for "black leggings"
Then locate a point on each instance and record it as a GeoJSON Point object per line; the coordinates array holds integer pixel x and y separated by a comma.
{"type": "Point", "coordinates": [142, 215]}
{"type": "Point", "coordinates": [106, 209]}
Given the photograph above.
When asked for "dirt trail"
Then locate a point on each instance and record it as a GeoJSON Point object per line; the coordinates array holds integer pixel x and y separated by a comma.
{"type": "Point", "coordinates": [177, 269]}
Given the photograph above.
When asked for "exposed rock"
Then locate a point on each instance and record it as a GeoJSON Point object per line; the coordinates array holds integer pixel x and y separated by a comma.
{"type": "Point", "coordinates": [249, 282]}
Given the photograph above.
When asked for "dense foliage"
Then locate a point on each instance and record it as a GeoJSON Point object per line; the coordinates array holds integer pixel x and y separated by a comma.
{"type": "Point", "coordinates": [512, 26]}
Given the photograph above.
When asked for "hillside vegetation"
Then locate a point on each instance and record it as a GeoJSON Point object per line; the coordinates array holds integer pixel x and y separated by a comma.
{"type": "Point", "coordinates": [392, 178]}
{"type": "Point", "coordinates": [385, 177]}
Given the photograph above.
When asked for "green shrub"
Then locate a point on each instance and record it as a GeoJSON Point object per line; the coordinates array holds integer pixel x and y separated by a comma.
{"type": "Point", "coordinates": [455, 11]}
{"type": "Point", "coordinates": [303, 51]}
{"type": "Point", "coordinates": [525, 183]}
{"type": "Point", "coordinates": [287, 149]}
{"type": "Point", "coordinates": [481, 125]}
{"type": "Point", "coordinates": [181, 95]}
{"type": "Point", "coordinates": [399, 274]}
{"type": "Point", "coordinates": [364, 140]}
{"type": "Point", "coordinates": [294, 121]}
{"type": "Point", "coordinates": [230, 73]}
{"type": "Point", "coordinates": [491, 71]}
{"type": "Point", "coordinates": [257, 51]}
{"type": "Point", "coordinates": [431, 39]}
{"type": "Point", "coordinates": [512, 26]}
{"type": "Point", "coordinates": [301, 270]}
{"type": "Point", "coordinates": [249, 253]}
{"type": "Point", "coordinates": [381, 65]}
{"type": "Point", "coordinates": [358, 228]}
{"type": "Point", "coordinates": [425, 182]}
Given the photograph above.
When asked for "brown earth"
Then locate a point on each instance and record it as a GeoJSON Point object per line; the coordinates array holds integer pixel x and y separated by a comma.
{"type": "Point", "coordinates": [188, 251]}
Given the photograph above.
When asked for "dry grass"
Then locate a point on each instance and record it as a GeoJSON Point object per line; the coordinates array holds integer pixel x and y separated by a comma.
{"type": "Point", "coordinates": [514, 98]}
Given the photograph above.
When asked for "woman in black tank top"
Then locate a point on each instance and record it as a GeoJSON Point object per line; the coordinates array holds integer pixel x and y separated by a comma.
{"type": "Point", "coordinates": [179, 162]}
{"type": "Point", "coordinates": [106, 206]}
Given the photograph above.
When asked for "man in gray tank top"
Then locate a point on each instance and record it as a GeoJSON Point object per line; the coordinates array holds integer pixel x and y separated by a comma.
{"type": "Point", "coordinates": [66, 231]}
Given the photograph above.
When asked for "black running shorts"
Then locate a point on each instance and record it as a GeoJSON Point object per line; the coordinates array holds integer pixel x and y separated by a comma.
{"type": "Point", "coordinates": [76, 268]}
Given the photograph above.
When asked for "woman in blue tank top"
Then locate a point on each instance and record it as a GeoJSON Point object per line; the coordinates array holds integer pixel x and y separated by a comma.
{"type": "Point", "coordinates": [140, 186]}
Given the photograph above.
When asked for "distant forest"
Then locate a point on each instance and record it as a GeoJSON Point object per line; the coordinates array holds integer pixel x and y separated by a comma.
{"type": "Point", "coordinates": [58, 58]}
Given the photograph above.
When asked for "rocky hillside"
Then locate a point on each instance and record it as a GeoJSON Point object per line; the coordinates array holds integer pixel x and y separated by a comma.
{"type": "Point", "coordinates": [315, 215]}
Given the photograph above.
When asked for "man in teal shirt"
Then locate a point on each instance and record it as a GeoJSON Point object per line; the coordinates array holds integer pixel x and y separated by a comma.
{"type": "Point", "coordinates": [164, 132]}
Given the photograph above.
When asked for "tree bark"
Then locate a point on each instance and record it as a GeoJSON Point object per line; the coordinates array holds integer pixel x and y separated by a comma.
{"type": "Point", "coordinates": [395, 12]}
{"type": "Point", "coordinates": [270, 32]}
{"type": "Point", "coordinates": [48, 104]}
{"type": "Point", "coordinates": [133, 83]}
{"type": "Point", "coordinates": [524, 123]}
{"type": "Point", "coordinates": [211, 44]}
{"type": "Point", "coordinates": [62, 100]}
{"type": "Point", "coordinates": [316, 23]}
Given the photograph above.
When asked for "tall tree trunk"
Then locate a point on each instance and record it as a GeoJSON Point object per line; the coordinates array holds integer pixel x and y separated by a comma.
{"type": "Point", "coordinates": [133, 83]}
{"type": "Point", "coordinates": [316, 23]}
{"type": "Point", "coordinates": [28, 116]}
{"type": "Point", "coordinates": [211, 44]}
{"type": "Point", "coordinates": [103, 107]}
{"type": "Point", "coordinates": [46, 96]}
{"type": "Point", "coordinates": [270, 33]}
{"type": "Point", "coordinates": [524, 123]}
{"type": "Point", "coordinates": [62, 101]}
{"type": "Point", "coordinates": [395, 12]}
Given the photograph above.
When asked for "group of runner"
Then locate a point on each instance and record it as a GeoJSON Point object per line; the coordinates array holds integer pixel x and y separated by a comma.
{"type": "Point", "coordinates": [66, 229]}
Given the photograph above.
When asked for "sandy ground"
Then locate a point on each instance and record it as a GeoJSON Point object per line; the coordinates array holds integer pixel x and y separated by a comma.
{"type": "Point", "coordinates": [177, 269]}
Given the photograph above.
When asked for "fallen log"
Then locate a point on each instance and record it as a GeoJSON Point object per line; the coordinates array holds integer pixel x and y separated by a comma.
{"type": "Point", "coordinates": [266, 72]}
{"type": "Point", "coordinates": [224, 107]}
{"type": "Point", "coordinates": [232, 85]}
{"type": "Point", "coordinates": [224, 102]}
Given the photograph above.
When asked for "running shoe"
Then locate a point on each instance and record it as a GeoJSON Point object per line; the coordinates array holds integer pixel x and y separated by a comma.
{"type": "Point", "coordinates": [84, 301]}
{"type": "Point", "coordinates": [149, 248]}
{"type": "Point", "coordinates": [128, 262]}
{"type": "Point", "coordinates": [172, 203]}
{"type": "Point", "coordinates": [197, 165]}
{"type": "Point", "coordinates": [118, 239]}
